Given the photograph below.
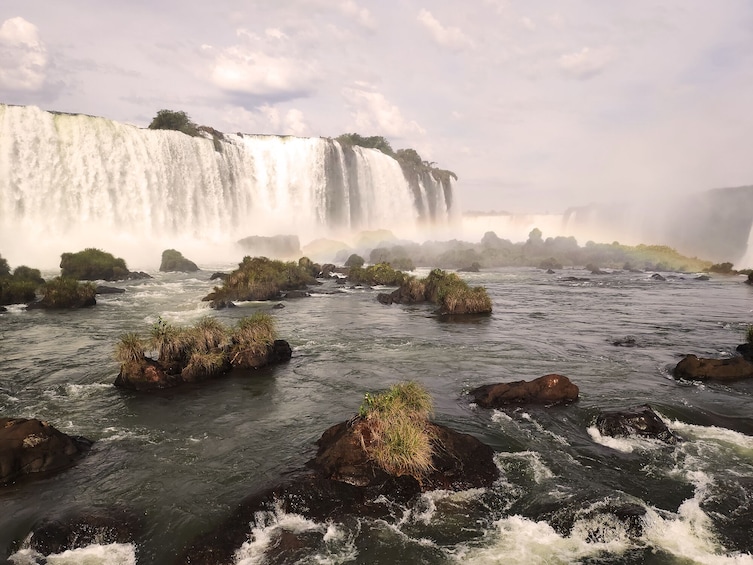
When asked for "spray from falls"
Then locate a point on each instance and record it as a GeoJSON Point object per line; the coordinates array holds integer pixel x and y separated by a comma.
{"type": "Point", "coordinates": [72, 181]}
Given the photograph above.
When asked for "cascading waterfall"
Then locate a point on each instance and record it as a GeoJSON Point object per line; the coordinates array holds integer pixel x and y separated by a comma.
{"type": "Point", "coordinates": [74, 181]}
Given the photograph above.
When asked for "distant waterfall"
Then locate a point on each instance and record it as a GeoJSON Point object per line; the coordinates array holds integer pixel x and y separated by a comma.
{"type": "Point", "coordinates": [69, 181]}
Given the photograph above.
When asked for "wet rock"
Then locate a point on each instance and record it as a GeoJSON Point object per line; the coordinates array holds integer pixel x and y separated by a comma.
{"type": "Point", "coordinates": [385, 298]}
{"type": "Point", "coordinates": [702, 278]}
{"type": "Point", "coordinates": [31, 446]}
{"type": "Point", "coordinates": [102, 289]}
{"type": "Point", "coordinates": [746, 350]}
{"type": "Point", "coordinates": [639, 421]}
{"type": "Point", "coordinates": [146, 374]}
{"type": "Point", "coordinates": [749, 280]}
{"type": "Point", "coordinates": [575, 279]}
{"type": "Point", "coordinates": [627, 341]}
{"type": "Point", "coordinates": [138, 275]}
{"type": "Point", "coordinates": [296, 294]}
{"type": "Point", "coordinates": [699, 369]}
{"type": "Point", "coordinates": [81, 529]}
{"type": "Point", "coordinates": [549, 389]}
{"type": "Point", "coordinates": [221, 304]}
{"type": "Point", "coordinates": [658, 277]}
{"type": "Point", "coordinates": [472, 268]}
{"type": "Point", "coordinates": [549, 272]}
{"type": "Point", "coordinates": [173, 260]}
{"type": "Point", "coordinates": [218, 275]}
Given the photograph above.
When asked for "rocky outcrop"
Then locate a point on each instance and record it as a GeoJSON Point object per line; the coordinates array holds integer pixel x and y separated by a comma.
{"type": "Point", "coordinates": [147, 374]}
{"type": "Point", "coordinates": [173, 260]}
{"type": "Point", "coordinates": [31, 447]}
{"type": "Point", "coordinates": [699, 369]}
{"type": "Point", "coordinates": [81, 529]}
{"type": "Point", "coordinates": [639, 421]}
{"type": "Point", "coordinates": [343, 482]}
{"type": "Point", "coordinates": [549, 389]}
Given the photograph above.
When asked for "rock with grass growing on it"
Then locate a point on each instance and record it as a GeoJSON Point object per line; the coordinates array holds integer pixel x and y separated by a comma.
{"type": "Point", "coordinates": [204, 351]}
{"type": "Point", "coordinates": [63, 293]}
{"type": "Point", "coordinates": [93, 264]}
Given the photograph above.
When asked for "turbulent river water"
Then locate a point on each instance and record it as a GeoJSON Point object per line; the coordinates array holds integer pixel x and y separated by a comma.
{"type": "Point", "coordinates": [183, 459]}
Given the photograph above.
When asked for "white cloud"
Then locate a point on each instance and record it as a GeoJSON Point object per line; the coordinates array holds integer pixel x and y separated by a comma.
{"type": "Point", "coordinates": [373, 114]}
{"type": "Point", "coordinates": [360, 15]}
{"type": "Point", "coordinates": [451, 37]}
{"type": "Point", "coordinates": [250, 71]}
{"type": "Point", "coordinates": [295, 123]}
{"type": "Point", "coordinates": [585, 63]}
{"type": "Point", "coordinates": [528, 24]}
{"type": "Point", "coordinates": [23, 56]}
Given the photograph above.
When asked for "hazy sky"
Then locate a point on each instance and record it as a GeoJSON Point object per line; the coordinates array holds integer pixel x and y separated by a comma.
{"type": "Point", "coordinates": [536, 106]}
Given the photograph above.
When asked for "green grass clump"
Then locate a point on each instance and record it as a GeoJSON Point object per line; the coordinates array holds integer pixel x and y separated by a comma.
{"type": "Point", "coordinates": [749, 334]}
{"type": "Point", "coordinates": [252, 336]}
{"type": "Point", "coordinates": [130, 348]}
{"type": "Point", "coordinates": [398, 427]}
{"type": "Point", "coordinates": [91, 265]}
{"type": "Point", "coordinates": [454, 295]}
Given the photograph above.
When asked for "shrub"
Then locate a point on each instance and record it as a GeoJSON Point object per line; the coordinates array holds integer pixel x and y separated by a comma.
{"type": "Point", "coordinates": [4, 267]}
{"type": "Point", "coordinates": [27, 274]}
{"type": "Point", "coordinates": [381, 273]}
{"type": "Point", "coordinates": [171, 343]}
{"type": "Point", "coordinates": [749, 334]}
{"type": "Point", "coordinates": [208, 334]}
{"type": "Point", "coordinates": [454, 295]}
{"type": "Point", "coordinates": [252, 337]}
{"type": "Point", "coordinates": [397, 423]}
{"type": "Point", "coordinates": [92, 264]}
{"type": "Point", "coordinates": [174, 120]}
{"type": "Point", "coordinates": [722, 268]}
{"type": "Point", "coordinates": [63, 292]}
{"type": "Point", "coordinates": [402, 263]}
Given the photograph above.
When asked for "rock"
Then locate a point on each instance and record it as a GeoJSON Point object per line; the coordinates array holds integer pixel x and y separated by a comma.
{"type": "Point", "coordinates": [218, 275]}
{"type": "Point", "coordinates": [702, 278]}
{"type": "Point", "coordinates": [462, 462]}
{"type": "Point", "coordinates": [327, 270]}
{"type": "Point", "coordinates": [221, 304]}
{"type": "Point", "coordinates": [699, 369]}
{"type": "Point", "coordinates": [101, 289]}
{"type": "Point", "coordinates": [173, 260]}
{"type": "Point", "coordinates": [278, 246]}
{"type": "Point", "coordinates": [385, 298]}
{"type": "Point", "coordinates": [81, 529]}
{"type": "Point", "coordinates": [138, 275]}
{"type": "Point", "coordinates": [296, 294]}
{"type": "Point", "coordinates": [639, 421]}
{"type": "Point", "coordinates": [278, 353]}
{"type": "Point", "coordinates": [746, 350]}
{"type": "Point", "coordinates": [658, 277]}
{"type": "Point", "coordinates": [627, 341]}
{"type": "Point", "coordinates": [146, 375]}
{"type": "Point", "coordinates": [575, 279]}
{"type": "Point", "coordinates": [277, 306]}
{"type": "Point", "coordinates": [472, 268]}
{"type": "Point", "coordinates": [33, 446]}
{"type": "Point", "coordinates": [549, 272]}
{"type": "Point", "coordinates": [3, 309]}
{"type": "Point", "coordinates": [549, 389]}
{"type": "Point", "coordinates": [749, 280]}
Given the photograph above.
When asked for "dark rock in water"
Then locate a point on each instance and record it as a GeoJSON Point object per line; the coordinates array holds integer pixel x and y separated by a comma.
{"type": "Point", "coordinates": [217, 275]}
{"type": "Point", "coordinates": [296, 294]}
{"type": "Point", "coordinates": [277, 306]}
{"type": "Point", "coordinates": [3, 309]}
{"type": "Point", "coordinates": [639, 421]}
{"type": "Point", "coordinates": [598, 521]}
{"type": "Point", "coordinates": [658, 277]}
{"type": "Point", "coordinates": [549, 389]}
{"type": "Point", "coordinates": [749, 280]}
{"type": "Point", "coordinates": [222, 304]}
{"type": "Point", "coordinates": [385, 298]}
{"type": "Point", "coordinates": [575, 279]}
{"type": "Point", "coordinates": [549, 272]}
{"type": "Point", "coordinates": [461, 462]}
{"type": "Point", "coordinates": [627, 341]}
{"type": "Point", "coordinates": [746, 350]}
{"type": "Point", "coordinates": [79, 530]}
{"type": "Point", "coordinates": [146, 375]}
{"type": "Point", "coordinates": [138, 275]}
{"type": "Point", "coordinates": [472, 268]}
{"type": "Point", "coordinates": [29, 447]}
{"type": "Point", "coordinates": [702, 278]}
{"type": "Point", "coordinates": [341, 280]}
{"type": "Point", "coordinates": [277, 246]}
{"type": "Point", "coordinates": [279, 352]}
{"type": "Point", "coordinates": [101, 289]}
{"type": "Point", "coordinates": [699, 369]}
{"type": "Point", "coordinates": [173, 260]}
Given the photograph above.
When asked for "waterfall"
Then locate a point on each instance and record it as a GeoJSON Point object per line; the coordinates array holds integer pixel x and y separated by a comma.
{"type": "Point", "coordinates": [74, 181]}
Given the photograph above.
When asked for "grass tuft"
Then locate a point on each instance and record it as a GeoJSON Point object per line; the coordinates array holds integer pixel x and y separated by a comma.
{"type": "Point", "coordinates": [130, 348]}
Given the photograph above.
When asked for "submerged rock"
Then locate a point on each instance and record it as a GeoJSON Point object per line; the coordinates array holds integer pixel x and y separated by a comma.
{"type": "Point", "coordinates": [549, 389]}
{"type": "Point", "coordinates": [102, 289]}
{"type": "Point", "coordinates": [639, 421]}
{"type": "Point", "coordinates": [698, 369]}
{"type": "Point", "coordinates": [81, 529]}
{"type": "Point", "coordinates": [31, 446]}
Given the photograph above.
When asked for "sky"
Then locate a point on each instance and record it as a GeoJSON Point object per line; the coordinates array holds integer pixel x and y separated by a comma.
{"type": "Point", "coordinates": [536, 106]}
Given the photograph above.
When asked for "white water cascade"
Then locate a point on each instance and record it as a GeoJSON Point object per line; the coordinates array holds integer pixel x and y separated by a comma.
{"type": "Point", "coordinates": [74, 181]}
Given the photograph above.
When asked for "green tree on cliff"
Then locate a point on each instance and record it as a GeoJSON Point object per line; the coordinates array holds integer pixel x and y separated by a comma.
{"type": "Point", "coordinates": [174, 120]}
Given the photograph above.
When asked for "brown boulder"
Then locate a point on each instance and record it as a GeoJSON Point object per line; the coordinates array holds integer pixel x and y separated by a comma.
{"type": "Point", "coordinates": [460, 461]}
{"type": "Point", "coordinates": [34, 446]}
{"type": "Point", "coordinates": [549, 389]}
{"type": "Point", "coordinates": [698, 369]}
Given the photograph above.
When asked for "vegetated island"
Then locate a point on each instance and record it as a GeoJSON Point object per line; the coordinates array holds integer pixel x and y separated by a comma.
{"type": "Point", "coordinates": [191, 354]}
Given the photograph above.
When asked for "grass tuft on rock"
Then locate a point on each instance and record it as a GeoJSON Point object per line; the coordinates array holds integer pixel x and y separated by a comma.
{"type": "Point", "coordinates": [252, 336]}
{"type": "Point", "coordinates": [93, 264]}
{"type": "Point", "coordinates": [397, 424]}
{"type": "Point", "coordinates": [130, 348]}
{"type": "Point", "coordinates": [62, 292]}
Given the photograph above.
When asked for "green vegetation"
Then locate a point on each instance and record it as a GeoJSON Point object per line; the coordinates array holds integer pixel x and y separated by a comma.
{"type": "Point", "coordinates": [454, 295]}
{"type": "Point", "coordinates": [19, 287]}
{"type": "Point", "coordinates": [396, 424]}
{"type": "Point", "coordinates": [313, 269]}
{"type": "Point", "coordinates": [206, 349]}
{"type": "Point", "coordinates": [722, 269]}
{"type": "Point", "coordinates": [259, 278]}
{"type": "Point", "coordinates": [63, 292]}
{"type": "Point", "coordinates": [749, 334]}
{"type": "Point", "coordinates": [174, 120]}
{"type": "Point", "coordinates": [381, 273]}
{"type": "Point", "coordinates": [4, 267]}
{"type": "Point", "coordinates": [91, 265]}
{"type": "Point", "coordinates": [372, 142]}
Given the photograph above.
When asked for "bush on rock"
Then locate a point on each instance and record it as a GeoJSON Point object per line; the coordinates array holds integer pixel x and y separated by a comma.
{"type": "Point", "coordinates": [93, 264]}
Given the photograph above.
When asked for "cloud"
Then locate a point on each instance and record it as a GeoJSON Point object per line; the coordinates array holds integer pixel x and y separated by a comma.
{"type": "Point", "coordinates": [586, 63]}
{"type": "Point", "coordinates": [264, 119]}
{"type": "Point", "coordinates": [23, 56]}
{"type": "Point", "coordinates": [361, 15]}
{"type": "Point", "coordinates": [450, 37]}
{"type": "Point", "coordinates": [373, 114]}
{"type": "Point", "coordinates": [295, 123]}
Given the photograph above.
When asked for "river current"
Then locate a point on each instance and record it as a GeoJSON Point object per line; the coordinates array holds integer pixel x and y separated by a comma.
{"type": "Point", "coordinates": [182, 459]}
